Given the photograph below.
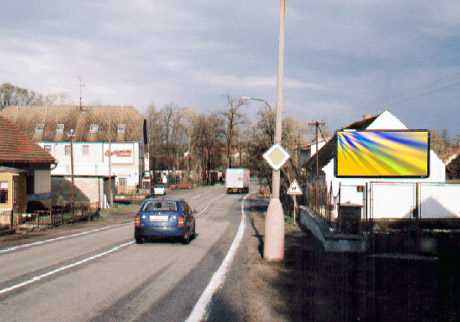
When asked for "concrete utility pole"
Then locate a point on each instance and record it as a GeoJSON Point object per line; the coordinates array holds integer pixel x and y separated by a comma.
{"type": "Point", "coordinates": [72, 187]}
{"type": "Point", "coordinates": [317, 125]}
{"type": "Point", "coordinates": [274, 221]}
{"type": "Point", "coordinates": [110, 165]}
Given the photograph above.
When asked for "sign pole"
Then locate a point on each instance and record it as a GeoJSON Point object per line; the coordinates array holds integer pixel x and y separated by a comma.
{"type": "Point", "coordinates": [294, 190]}
{"type": "Point", "coordinates": [294, 199]}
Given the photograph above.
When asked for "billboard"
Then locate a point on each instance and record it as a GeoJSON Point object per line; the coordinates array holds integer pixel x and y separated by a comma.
{"type": "Point", "coordinates": [384, 153]}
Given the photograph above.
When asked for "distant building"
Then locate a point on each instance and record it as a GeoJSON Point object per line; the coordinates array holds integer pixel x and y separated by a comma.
{"type": "Point", "coordinates": [104, 138]}
{"type": "Point", "coordinates": [25, 171]}
{"type": "Point", "coordinates": [307, 150]}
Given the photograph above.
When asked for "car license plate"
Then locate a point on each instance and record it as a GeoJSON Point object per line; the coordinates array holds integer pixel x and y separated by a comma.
{"type": "Point", "coordinates": [159, 218]}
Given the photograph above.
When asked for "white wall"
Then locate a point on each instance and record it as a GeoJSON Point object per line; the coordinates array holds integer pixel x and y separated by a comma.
{"type": "Point", "coordinates": [127, 160]}
{"type": "Point", "coordinates": [396, 200]}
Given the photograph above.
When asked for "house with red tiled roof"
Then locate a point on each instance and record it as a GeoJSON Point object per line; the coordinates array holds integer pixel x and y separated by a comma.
{"type": "Point", "coordinates": [105, 146]}
{"type": "Point", "coordinates": [25, 170]}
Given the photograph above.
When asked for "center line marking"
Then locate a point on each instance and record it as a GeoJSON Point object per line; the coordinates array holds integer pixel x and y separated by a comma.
{"type": "Point", "coordinates": [57, 270]}
{"type": "Point", "coordinates": [10, 249]}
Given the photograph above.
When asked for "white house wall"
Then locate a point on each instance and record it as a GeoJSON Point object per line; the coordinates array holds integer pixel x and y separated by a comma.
{"type": "Point", "coordinates": [386, 121]}
{"type": "Point", "coordinates": [127, 160]}
{"type": "Point", "coordinates": [397, 200]}
{"type": "Point", "coordinates": [392, 200]}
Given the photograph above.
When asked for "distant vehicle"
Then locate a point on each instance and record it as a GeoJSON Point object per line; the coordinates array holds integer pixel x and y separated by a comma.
{"type": "Point", "coordinates": [215, 176]}
{"type": "Point", "coordinates": [159, 217]}
{"type": "Point", "coordinates": [237, 180]}
{"type": "Point", "coordinates": [159, 190]}
{"type": "Point", "coordinates": [182, 185]}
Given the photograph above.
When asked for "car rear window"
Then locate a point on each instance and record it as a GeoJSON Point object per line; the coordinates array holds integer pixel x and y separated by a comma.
{"type": "Point", "coordinates": [160, 205]}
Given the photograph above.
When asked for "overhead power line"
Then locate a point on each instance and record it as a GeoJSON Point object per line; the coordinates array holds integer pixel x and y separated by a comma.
{"type": "Point", "coordinates": [438, 85]}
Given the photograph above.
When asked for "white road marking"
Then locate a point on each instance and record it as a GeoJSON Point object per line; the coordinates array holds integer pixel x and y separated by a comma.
{"type": "Point", "coordinates": [63, 268]}
{"type": "Point", "coordinates": [10, 249]}
{"type": "Point", "coordinates": [209, 204]}
{"type": "Point", "coordinates": [201, 309]}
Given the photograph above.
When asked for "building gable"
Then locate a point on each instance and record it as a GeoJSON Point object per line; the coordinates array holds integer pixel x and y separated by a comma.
{"type": "Point", "coordinates": [16, 147]}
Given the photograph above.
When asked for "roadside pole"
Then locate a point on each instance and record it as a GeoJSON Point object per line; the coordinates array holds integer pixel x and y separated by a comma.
{"type": "Point", "coordinates": [294, 190]}
{"type": "Point", "coordinates": [294, 200]}
{"type": "Point", "coordinates": [12, 221]}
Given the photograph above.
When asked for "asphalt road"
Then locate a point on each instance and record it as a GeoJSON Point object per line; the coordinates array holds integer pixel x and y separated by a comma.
{"type": "Point", "coordinates": [104, 276]}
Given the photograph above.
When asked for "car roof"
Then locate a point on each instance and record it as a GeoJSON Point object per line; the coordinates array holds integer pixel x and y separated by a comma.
{"type": "Point", "coordinates": [177, 200]}
{"type": "Point", "coordinates": [165, 199]}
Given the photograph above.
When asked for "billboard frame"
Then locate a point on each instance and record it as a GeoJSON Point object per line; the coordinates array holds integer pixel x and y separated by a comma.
{"type": "Point", "coordinates": [428, 147]}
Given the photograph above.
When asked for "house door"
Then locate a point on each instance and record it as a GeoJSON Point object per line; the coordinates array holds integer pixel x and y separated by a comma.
{"type": "Point", "coordinates": [122, 185]}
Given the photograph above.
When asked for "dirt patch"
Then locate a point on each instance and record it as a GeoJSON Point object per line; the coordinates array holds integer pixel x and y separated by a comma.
{"type": "Point", "coordinates": [272, 289]}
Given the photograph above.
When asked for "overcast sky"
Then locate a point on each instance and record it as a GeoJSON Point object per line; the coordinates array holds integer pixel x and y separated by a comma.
{"type": "Point", "coordinates": [343, 59]}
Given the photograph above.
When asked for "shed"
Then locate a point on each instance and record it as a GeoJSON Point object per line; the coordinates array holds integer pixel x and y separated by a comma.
{"type": "Point", "coordinates": [26, 161]}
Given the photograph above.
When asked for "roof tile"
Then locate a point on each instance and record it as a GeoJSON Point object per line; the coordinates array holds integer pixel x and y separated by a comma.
{"type": "Point", "coordinates": [16, 147]}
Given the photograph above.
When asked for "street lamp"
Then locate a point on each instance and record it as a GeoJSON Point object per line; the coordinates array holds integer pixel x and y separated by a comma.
{"type": "Point", "coordinates": [274, 220]}
{"type": "Point", "coordinates": [71, 137]}
{"type": "Point", "coordinates": [257, 99]}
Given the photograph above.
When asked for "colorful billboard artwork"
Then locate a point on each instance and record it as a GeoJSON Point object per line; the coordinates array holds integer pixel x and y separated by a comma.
{"type": "Point", "coordinates": [391, 153]}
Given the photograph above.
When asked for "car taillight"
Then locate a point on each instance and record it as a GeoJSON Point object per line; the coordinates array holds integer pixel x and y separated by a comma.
{"type": "Point", "coordinates": [137, 221]}
{"type": "Point", "coordinates": [181, 221]}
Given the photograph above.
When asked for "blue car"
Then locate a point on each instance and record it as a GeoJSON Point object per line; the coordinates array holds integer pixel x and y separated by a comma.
{"type": "Point", "coordinates": [160, 217]}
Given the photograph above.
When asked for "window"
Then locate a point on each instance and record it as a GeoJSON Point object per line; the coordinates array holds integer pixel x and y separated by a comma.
{"type": "Point", "coordinates": [121, 128]}
{"type": "Point", "coordinates": [3, 192]}
{"type": "Point", "coordinates": [94, 128]}
{"type": "Point", "coordinates": [122, 182]}
{"type": "Point", "coordinates": [160, 205]}
{"type": "Point", "coordinates": [60, 128]}
{"type": "Point", "coordinates": [39, 127]}
{"type": "Point", "coordinates": [47, 148]}
{"type": "Point", "coordinates": [85, 150]}
{"type": "Point", "coordinates": [67, 150]}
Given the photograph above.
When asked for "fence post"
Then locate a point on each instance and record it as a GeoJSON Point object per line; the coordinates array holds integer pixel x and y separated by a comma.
{"type": "Point", "coordinates": [12, 220]}
{"type": "Point", "coordinates": [365, 205]}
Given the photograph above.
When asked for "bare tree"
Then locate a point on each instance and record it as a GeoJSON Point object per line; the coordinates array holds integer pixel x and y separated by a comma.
{"type": "Point", "coordinates": [231, 118]}
{"type": "Point", "coordinates": [57, 99]}
{"type": "Point", "coordinates": [440, 141]}
{"type": "Point", "coordinates": [205, 142]}
{"type": "Point", "coordinates": [14, 95]}
{"type": "Point", "coordinates": [263, 133]}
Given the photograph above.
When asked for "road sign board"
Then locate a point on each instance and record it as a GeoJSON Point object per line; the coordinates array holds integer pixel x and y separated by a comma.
{"type": "Point", "coordinates": [276, 156]}
{"type": "Point", "coordinates": [294, 189]}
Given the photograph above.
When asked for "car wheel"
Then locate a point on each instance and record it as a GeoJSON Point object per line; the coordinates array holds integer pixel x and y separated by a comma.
{"type": "Point", "coordinates": [139, 240]}
{"type": "Point", "coordinates": [186, 239]}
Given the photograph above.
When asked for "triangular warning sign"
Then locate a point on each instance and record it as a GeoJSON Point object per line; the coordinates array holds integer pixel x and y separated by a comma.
{"type": "Point", "coordinates": [294, 189]}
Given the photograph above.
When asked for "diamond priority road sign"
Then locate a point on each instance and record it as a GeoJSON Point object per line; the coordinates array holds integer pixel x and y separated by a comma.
{"type": "Point", "coordinates": [276, 156]}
